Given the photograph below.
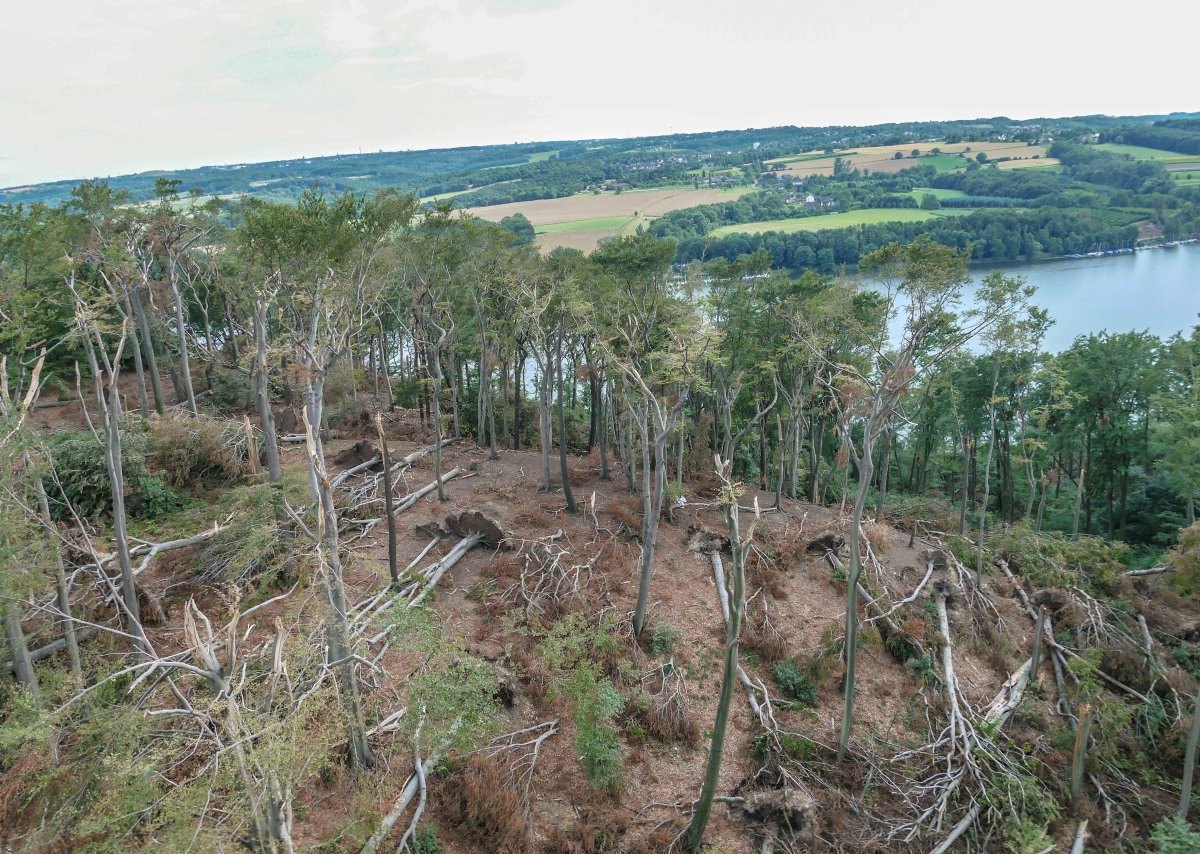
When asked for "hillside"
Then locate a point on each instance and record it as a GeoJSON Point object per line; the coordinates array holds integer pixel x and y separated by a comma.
{"type": "Point", "coordinates": [348, 525]}
{"type": "Point", "coordinates": [436, 171]}
{"type": "Point", "coordinates": [552, 599]}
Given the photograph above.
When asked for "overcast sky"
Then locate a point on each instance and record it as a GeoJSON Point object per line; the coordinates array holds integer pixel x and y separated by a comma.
{"type": "Point", "coordinates": [104, 87]}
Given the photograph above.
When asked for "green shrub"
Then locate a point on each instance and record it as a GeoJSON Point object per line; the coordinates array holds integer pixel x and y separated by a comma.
{"type": "Point", "coordinates": [600, 751]}
{"type": "Point", "coordinates": [576, 650]}
{"type": "Point", "coordinates": [151, 497]}
{"type": "Point", "coordinates": [83, 477]}
{"type": "Point", "coordinates": [794, 683]}
{"type": "Point", "coordinates": [425, 840]}
{"type": "Point", "coordinates": [232, 391]}
{"type": "Point", "coordinates": [792, 746]}
{"type": "Point", "coordinates": [1185, 559]}
{"type": "Point", "coordinates": [1053, 560]}
{"type": "Point", "coordinates": [351, 412]}
{"type": "Point", "coordinates": [1172, 836]}
{"type": "Point", "coordinates": [662, 640]}
{"type": "Point", "coordinates": [899, 648]}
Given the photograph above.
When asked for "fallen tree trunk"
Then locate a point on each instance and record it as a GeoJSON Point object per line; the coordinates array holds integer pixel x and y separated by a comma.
{"type": "Point", "coordinates": [397, 467]}
{"type": "Point", "coordinates": [413, 497]}
{"type": "Point", "coordinates": [1154, 570]}
{"type": "Point", "coordinates": [398, 809]}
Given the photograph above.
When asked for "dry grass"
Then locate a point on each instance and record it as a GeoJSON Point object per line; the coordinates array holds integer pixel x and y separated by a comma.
{"type": "Point", "coordinates": [761, 636]}
{"type": "Point", "coordinates": [13, 812]}
{"type": "Point", "coordinates": [878, 535]}
{"type": "Point", "coordinates": [584, 206]}
{"type": "Point", "coordinates": [485, 806]}
{"type": "Point", "coordinates": [627, 511]}
{"type": "Point", "coordinates": [600, 828]}
{"type": "Point", "coordinates": [195, 452]}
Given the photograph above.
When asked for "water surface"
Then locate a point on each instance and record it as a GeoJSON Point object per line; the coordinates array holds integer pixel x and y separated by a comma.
{"type": "Point", "coordinates": [1154, 290]}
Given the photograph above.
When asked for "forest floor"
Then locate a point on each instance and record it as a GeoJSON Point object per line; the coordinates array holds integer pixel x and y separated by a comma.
{"type": "Point", "coordinates": [790, 579]}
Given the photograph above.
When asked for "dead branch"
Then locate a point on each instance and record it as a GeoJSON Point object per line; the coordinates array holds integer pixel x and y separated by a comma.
{"type": "Point", "coordinates": [406, 795]}
{"type": "Point", "coordinates": [547, 583]}
{"type": "Point", "coordinates": [1140, 573]}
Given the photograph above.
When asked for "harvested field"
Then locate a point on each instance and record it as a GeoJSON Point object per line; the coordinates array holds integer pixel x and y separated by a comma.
{"type": "Point", "coordinates": [582, 220]}
{"type": "Point", "coordinates": [882, 158]}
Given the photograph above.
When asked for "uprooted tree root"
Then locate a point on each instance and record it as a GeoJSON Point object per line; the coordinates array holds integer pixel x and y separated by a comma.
{"type": "Point", "coordinates": [662, 708]}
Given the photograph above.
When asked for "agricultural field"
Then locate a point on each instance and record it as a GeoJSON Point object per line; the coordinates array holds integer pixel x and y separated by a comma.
{"type": "Point", "coordinates": [882, 158]}
{"type": "Point", "coordinates": [1040, 163]}
{"type": "Point", "coordinates": [1140, 152]}
{"type": "Point", "coordinates": [582, 220]}
{"type": "Point", "coordinates": [437, 197]}
{"type": "Point", "coordinates": [866, 216]}
{"type": "Point", "coordinates": [1185, 168]}
{"type": "Point", "coordinates": [938, 193]}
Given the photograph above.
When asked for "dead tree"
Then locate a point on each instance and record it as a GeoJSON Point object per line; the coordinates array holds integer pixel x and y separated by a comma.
{"type": "Point", "coordinates": [735, 595]}
{"type": "Point", "coordinates": [340, 653]}
{"type": "Point", "coordinates": [105, 372]}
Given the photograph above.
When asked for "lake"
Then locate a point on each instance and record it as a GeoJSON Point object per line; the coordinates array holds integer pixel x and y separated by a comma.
{"type": "Point", "coordinates": [1154, 290]}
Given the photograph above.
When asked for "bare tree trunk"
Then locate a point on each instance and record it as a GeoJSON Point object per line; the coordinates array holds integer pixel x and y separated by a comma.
{"type": "Point", "coordinates": [602, 427]}
{"type": "Point", "coordinates": [112, 456]}
{"type": "Point", "coordinates": [733, 627]}
{"type": "Point", "coordinates": [1079, 490]}
{"type": "Point", "coordinates": [389, 516]}
{"type": "Point", "coordinates": [865, 470]}
{"type": "Point", "coordinates": [966, 477]}
{"type": "Point", "coordinates": [815, 442]}
{"type": "Point", "coordinates": [518, 373]}
{"type": "Point", "coordinates": [62, 592]}
{"type": "Point", "coordinates": [185, 368]}
{"type": "Point", "coordinates": [139, 312]}
{"type": "Point", "coordinates": [884, 463]}
{"type": "Point", "coordinates": [262, 392]}
{"type": "Point", "coordinates": [437, 417]}
{"type": "Point", "coordinates": [18, 649]}
{"type": "Point", "coordinates": [143, 399]}
{"type": "Point", "coordinates": [337, 633]}
{"type": "Point", "coordinates": [384, 358]}
{"type": "Point", "coordinates": [1189, 761]}
{"type": "Point", "coordinates": [545, 390]}
{"type": "Point", "coordinates": [651, 504]}
{"type": "Point", "coordinates": [987, 478]}
{"type": "Point", "coordinates": [562, 425]}
{"type": "Point", "coordinates": [454, 386]}
{"type": "Point", "coordinates": [233, 345]}
{"type": "Point", "coordinates": [1042, 504]}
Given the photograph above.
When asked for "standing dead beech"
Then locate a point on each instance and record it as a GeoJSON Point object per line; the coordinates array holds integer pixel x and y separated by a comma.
{"type": "Point", "coordinates": [735, 594]}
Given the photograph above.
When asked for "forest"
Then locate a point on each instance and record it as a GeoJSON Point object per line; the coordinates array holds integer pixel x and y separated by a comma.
{"type": "Point", "coordinates": [351, 524]}
{"type": "Point", "coordinates": [1094, 204]}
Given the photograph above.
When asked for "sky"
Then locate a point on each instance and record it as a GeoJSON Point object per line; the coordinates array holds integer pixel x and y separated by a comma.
{"type": "Point", "coordinates": [92, 88]}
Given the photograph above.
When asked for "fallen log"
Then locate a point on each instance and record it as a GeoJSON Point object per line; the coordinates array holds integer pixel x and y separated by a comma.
{"type": "Point", "coordinates": [1154, 570]}
{"type": "Point", "coordinates": [413, 497]}
{"type": "Point", "coordinates": [1059, 648]}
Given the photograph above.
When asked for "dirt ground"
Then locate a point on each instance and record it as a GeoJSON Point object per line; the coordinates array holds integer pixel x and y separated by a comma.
{"type": "Point", "coordinates": [806, 604]}
{"type": "Point", "coordinates": [800, 591]}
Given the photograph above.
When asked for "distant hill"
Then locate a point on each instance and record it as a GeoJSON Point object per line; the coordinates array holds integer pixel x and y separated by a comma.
{"type": "Point", "coordinates": [505, 173]}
